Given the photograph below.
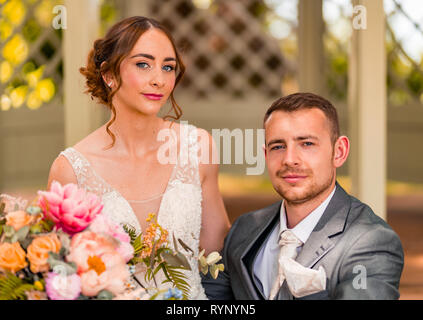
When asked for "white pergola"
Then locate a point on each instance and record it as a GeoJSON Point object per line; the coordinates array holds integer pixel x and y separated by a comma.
{"type": "Point", "coordinates": [367, 103]}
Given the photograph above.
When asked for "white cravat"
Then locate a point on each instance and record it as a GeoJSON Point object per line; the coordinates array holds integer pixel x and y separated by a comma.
{"type": "Point", "coordinates": [289, 244]}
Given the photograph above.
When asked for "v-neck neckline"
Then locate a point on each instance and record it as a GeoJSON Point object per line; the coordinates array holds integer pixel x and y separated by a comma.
{"type": "Point", "coordinates": [112, 189]}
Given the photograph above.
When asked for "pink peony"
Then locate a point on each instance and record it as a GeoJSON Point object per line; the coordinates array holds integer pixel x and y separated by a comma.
{"type": "Point", "coordinates": [70, 208]}
{"type": "Point", "coordinates": [61, 287]}
{"type": "Point", "coordinates": [100, 265]}
{"type": "Point", "coordinates": [102, 224]}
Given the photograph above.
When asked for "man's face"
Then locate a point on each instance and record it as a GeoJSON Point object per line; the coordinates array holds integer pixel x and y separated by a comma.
{"type": "Point", "coordinates": [299, 154]}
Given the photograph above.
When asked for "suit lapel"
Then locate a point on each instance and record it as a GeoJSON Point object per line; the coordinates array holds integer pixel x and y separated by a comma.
{"type": "Point", "coordinates": [265, 221]}
{"type": "Point", "coordinates": [332, 222]}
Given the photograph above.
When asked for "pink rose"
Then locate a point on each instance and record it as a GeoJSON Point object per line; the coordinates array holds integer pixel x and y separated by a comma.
{"type": "Point", "coordinates": [60, 287]}
{"type": "Point", "coordinates": [102, 224]}
{"type": "Point", "coordinates": [70, 208]}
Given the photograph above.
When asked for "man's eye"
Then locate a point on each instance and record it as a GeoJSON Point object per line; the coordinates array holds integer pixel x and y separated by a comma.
{"type": "Point", "coordinates": [276, 147]}
{"type": "Point", "coordinates": [142, 65]}
{"type": "Point", "coordinates": [168, 68]}
{"type": "Point", "coordinates": [307, 143]}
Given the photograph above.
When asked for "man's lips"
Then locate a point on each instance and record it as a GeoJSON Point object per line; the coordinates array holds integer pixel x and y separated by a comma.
{"type": "Point", "coordinates": [293, 178]}
{"type": "Point", "coordinates": [153, 96]}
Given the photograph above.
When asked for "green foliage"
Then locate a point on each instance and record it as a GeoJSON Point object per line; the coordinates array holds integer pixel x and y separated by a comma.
{"type": "Point", "coordinates": [175, 276]}
{"type": "Point", "coordinates": [13, 288]}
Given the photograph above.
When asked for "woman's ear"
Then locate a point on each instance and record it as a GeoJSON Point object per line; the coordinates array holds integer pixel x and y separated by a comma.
{"type": "Point", "coordinates": [341, 151]}
{"type": "Point", "coordinates": [107, 77]}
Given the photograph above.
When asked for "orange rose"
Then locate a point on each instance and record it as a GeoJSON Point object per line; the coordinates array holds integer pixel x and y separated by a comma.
{"type": "Point", "coordinates": [38, 250]}
{"type": "Point", "coordinates": [12, 257]}
{"type": "Point", "coordinates": [19, 219]}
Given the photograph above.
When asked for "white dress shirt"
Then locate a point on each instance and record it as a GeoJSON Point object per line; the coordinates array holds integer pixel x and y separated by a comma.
{"type": "Point", "coordinates": [266, 264]}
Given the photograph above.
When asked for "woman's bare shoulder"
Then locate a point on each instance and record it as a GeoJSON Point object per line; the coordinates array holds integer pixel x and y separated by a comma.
{"type": "Point", "coordinates": [61, 171]}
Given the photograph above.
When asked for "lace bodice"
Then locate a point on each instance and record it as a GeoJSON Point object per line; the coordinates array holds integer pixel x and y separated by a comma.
{"type": "Point", "coordinates": [180, 207]}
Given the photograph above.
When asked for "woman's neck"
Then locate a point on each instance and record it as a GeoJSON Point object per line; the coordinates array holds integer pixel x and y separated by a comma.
{"type": "Point", "coordinates": [136, 134]}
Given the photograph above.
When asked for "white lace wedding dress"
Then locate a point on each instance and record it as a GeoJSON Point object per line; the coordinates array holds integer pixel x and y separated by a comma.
{"type": "Point", "coordinates": [180, 207]}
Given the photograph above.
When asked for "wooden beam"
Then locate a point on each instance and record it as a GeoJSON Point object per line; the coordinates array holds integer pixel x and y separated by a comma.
{"type": "Point", "coordinates": [367, 105]}
{"type": "Point", "coordinates": [310, 46]}
{"type": "Point", "coordinates": [82, 115]}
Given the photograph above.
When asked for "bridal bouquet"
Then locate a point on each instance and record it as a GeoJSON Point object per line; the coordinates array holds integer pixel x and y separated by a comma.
{"type": "Point", "coordinates": [62, 247]}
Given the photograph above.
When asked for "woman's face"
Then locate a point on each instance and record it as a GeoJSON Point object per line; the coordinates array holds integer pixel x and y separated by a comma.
{"type": "Point", "coordinates": [148, 74]}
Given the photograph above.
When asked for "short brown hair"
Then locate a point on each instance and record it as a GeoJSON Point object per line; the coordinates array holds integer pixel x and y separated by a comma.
{"type": "Point", "coordinates": [112, 49]}
{"type": "Point", "coordinates": [306, 100]}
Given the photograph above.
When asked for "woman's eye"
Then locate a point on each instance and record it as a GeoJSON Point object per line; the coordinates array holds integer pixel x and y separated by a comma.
{"type": "Point", "coordinates": [142, 65]}
{"type": "Point", "coordinates": [168, 68]}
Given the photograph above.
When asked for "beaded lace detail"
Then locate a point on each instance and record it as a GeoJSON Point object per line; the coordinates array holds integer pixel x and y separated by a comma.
{"type": "Point", "coordinates": [180, 208]}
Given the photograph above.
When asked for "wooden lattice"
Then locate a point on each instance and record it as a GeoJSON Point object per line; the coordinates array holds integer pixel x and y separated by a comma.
{"type": "Point", "coordinates": [226, 47]}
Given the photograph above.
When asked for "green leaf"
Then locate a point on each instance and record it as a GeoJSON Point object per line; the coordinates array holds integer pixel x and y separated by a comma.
{"type": "Point", "coordinates": [185, 246]}
{"type": "Point", "coordinates": [174, 242]}
{"type": "Point", "coordinates": [9, 231]}
{"type": "Point", "coordinates": [13, 288]}
{"type": "Point", "coordinates": [33, 210]}
{"type": "Point", "coordinates": [22, 233]}
{"type": "Point", "coordinates": [177, 260]}
{"type": "Point", "coordinates": [59, 266]}
{"type": "Point", "coordinates": [105, 295]}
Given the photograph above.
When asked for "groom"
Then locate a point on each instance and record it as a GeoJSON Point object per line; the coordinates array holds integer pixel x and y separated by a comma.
{"type": "Point", "coordinates": [341, 250]}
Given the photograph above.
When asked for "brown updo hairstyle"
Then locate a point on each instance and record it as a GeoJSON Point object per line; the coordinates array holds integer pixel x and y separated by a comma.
{"type": "Point", "coordinates": [113, 49]}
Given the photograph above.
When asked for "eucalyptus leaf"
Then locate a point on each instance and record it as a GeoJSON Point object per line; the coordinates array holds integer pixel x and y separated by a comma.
{"type": "Point", "coordinates": [33, 210]}
{"type": "Point", "coordinates": [105, 295]}
{"type": "Point", "coordinates": [9, 231]}
{"type": "Point", "coordinates": [13, 239]}
{"type": "Point", "coordinates": [22, 233]}
{"type": "Point", "coordinates": [59, 266]}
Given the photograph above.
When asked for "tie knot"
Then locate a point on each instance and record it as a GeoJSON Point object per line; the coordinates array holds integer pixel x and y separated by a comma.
{"type": "Point", "coordinates": [289, 238]}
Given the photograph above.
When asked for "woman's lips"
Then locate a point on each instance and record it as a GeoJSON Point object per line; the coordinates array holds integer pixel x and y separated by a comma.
{"type": "Point", "coordinates": [153, 96]}
{"type": "Point", "coordinates": [293, 178]}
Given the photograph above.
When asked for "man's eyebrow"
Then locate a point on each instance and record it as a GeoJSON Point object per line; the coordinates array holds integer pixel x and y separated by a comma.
{"type": "Point", "coordinates": [300, 138]}
{"type": "Point", "coordinates": [149, 56]}
{"type": "Point", "coordinates": [274, 141]}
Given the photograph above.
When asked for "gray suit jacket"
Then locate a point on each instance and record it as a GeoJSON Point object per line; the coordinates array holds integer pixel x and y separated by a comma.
{"type": "Point", "coordinates": [362, 256]}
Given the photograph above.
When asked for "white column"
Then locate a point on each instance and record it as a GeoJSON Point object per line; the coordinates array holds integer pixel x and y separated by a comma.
{"type": "Point", "coordinates": [367, 105]}
{"type": "Point", "coordinates": [82, 115]}
{"type": "Point", "coordinates": [310, 46]}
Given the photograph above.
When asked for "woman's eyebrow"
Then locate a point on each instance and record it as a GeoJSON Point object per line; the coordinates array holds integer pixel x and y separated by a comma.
{"type": "Point", "coordinates": [149, 56]}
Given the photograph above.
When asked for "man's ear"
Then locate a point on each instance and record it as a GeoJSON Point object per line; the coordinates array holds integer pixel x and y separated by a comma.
{"type": "Point", "coordinates": [341, 151]}
{"type": "Point", "coordinates": [264, 150]}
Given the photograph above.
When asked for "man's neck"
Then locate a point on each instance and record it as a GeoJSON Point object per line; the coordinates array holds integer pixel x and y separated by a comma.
{"type": "Point", "coordinates": [295, 213]}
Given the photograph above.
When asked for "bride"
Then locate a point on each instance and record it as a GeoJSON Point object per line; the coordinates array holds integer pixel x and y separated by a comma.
{"type": "Point", "coordinates": [133, 70]}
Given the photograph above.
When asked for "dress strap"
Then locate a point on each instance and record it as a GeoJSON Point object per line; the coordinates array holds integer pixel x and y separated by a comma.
{"type": "Point", "coordinates": [187, 169]}
{"type": "Point", "coordinates": [85, 174]}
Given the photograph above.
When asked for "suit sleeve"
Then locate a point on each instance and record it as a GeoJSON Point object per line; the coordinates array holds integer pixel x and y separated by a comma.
{"type": "Point", "coordinates": [372, 267]}
{"type": "Point", "coordinates": [220, 288]}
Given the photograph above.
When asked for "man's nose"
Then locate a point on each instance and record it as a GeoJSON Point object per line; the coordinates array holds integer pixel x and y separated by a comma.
{"type": "Point", "coordinates": [291, 157]}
